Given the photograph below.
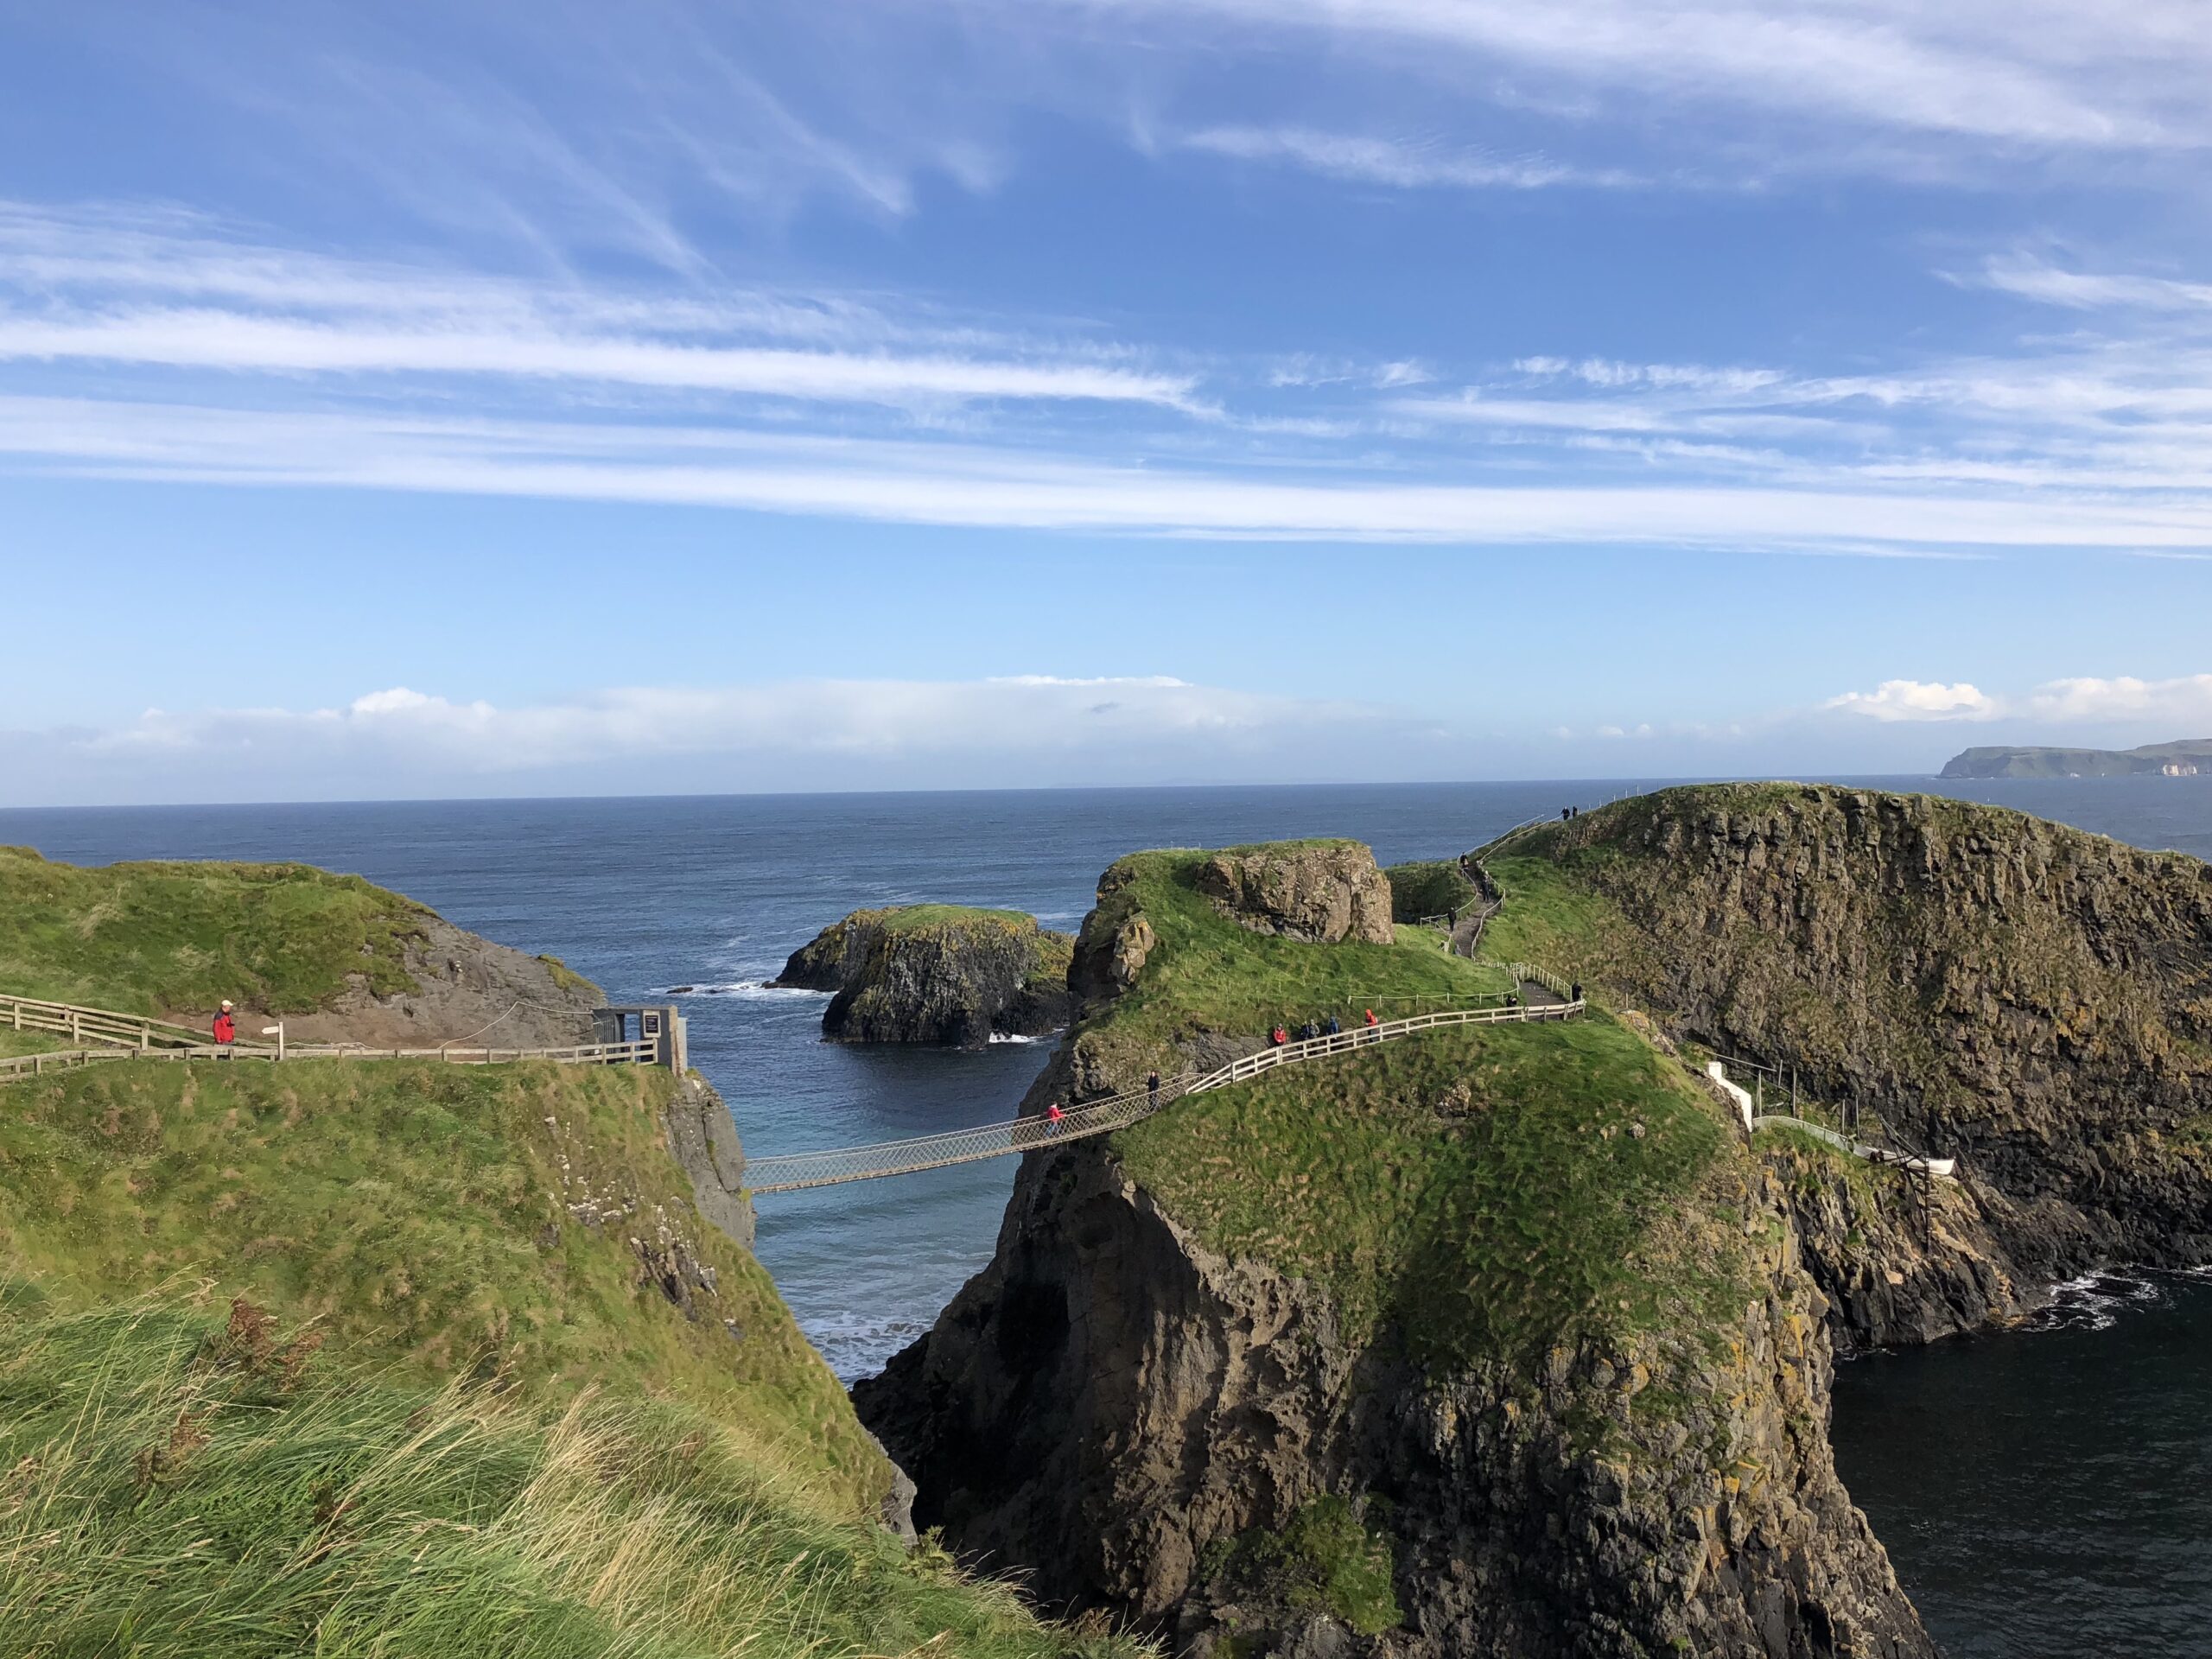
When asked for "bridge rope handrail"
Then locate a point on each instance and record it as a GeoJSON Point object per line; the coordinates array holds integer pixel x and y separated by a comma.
{"type": "Point", "coordinates": [832, 1166]}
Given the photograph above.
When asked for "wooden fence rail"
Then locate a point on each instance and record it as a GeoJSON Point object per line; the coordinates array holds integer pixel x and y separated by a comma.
{"type": "Point", "coordinates": [645, 1051]}
{"type": "Point", "coordinates": [82, 1025]}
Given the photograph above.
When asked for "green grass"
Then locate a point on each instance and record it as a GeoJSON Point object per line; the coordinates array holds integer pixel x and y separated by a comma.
{"type": "Point", "coordinates": [1433, 889]}
{"type": "Point", "coordinates": [1206, 973]}
{"type": "Point", "coordinates": [921, 919]}
{"type": "Point", "coordinates": [1549, 918]}
{"type": "Point", "coordinates": [14, 1042]}
{"type": "Point", "coordinates": [1526, 1210]}
{"type": "Point", "coordinates": [1323, 1557]}
{"type": "Point", "coordinates": [176, 1483]}
{"type": "Point", "coordinates": [419, 1214]}
{"type": "Point", "coordinates": [155, 938]}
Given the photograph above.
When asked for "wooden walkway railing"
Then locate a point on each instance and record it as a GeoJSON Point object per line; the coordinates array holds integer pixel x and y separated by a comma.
{"type": "Point", "coordinates": [138, 1037]}
{"type": "Point", "coordinates": [794, 1171]}
{"type": "Point", "coordinates": [83, 1025]}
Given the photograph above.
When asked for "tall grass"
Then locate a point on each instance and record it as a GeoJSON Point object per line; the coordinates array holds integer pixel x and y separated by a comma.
{"type": "Point", "coordinates": [176, 1485]}
{"type": "Point", "coordinates": [155, 938]}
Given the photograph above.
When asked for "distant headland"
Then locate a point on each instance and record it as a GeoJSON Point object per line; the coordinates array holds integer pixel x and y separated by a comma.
{"type": "Point", "coordinates": [2182, 759]}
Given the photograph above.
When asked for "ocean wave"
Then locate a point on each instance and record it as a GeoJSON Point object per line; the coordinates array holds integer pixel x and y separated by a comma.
{"type": "Point", "coordinates": [1011, 1037]}
{"type": "Point", "coordinates": [857, 1347]}
{"type": "Point", "coordinates": [747, 988]}
{"type": "Point", "coordinates": [2094, 1301]}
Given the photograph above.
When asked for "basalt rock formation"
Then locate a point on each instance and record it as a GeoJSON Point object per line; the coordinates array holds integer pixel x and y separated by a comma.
{"type": "Point", "coordinates": [2032, 999]}
{"type": "Point", "coordinates": [1320, 892]}
{"type": "Point", "coordinates": [935, 973]}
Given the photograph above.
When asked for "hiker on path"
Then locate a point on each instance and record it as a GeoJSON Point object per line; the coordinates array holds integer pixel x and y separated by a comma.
{"type": "Point", "coordinates": [1279, 1036]}
{"type": "Point", "coordinates": [1577, 997]}
{"type": "Point", "coordinates": [1372, 1022]}
{"type": "Point", "coordinates": [1308, 1032]}
{"type": "Point", "coordinates": [226, 1032]}
{"type": "Point", "coordinates": [1332, 1027]}
{"type": "Point", "coordinates": [1052, 1116]}
{"type": "Point", "coordinates": [1152, 1090]}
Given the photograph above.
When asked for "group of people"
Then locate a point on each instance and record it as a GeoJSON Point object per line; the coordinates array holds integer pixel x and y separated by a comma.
{"type": "Point", "coordinates": [1314, 1028]}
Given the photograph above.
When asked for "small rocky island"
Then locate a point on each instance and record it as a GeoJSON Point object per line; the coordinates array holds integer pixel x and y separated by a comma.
{"type": "Point", "coordinates": [943, 974]}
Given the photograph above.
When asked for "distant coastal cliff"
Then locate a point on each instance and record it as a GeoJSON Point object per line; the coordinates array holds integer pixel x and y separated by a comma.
{"type": "Point", "coordinates": [2185, 759]}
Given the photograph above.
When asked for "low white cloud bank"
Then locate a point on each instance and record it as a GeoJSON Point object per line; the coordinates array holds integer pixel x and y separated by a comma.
{"type": "Point", "coordinates": [2084, 700]}
{"type": "Point", "coordinates": [840, 734]}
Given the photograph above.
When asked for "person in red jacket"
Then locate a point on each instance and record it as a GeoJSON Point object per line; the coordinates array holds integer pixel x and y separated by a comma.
{"type": "Point", "coordinates": [226, 1032]}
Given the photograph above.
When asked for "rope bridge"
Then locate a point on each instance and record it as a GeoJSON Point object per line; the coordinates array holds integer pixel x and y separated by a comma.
{"type": "Point", "coordinates": [794, 1171]}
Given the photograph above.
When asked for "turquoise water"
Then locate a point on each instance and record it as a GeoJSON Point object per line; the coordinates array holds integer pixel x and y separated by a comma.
{"type": "Point", "coordinates": [2044, 1492]}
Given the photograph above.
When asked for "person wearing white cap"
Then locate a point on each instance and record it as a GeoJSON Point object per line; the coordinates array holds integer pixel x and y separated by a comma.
{"type": "Point", "coordinates": [226, 1031]}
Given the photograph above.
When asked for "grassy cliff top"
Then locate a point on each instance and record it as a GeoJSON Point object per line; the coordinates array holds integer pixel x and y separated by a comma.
{"type": "Point", "coordinates": [1477, 1190]}
{"type": "Point", "coordinates": [363, 1359]}
{"type": "Point", "coordinates": [154, 937]}
{"type": "Point", "coordinates": [1204, 972]}
{"type": "Point", "coordinates": [923, 918]}
{"type": "Point", "coordinates": [420, 1213]}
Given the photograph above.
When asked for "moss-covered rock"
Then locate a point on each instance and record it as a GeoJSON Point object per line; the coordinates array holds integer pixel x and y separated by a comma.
{"type": "Point", "coordinates": [1317, 891]}
{"type": "Point", "coordinates": [941, 973]}
{"type": "Point", "coordinates": [2031, 999]}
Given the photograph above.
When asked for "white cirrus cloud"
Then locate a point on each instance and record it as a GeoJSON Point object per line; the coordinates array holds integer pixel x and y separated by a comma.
{"type": "Point", "coordinates": [1365, 159]}
{"type": "Point", "coordinates": [1895, 700]}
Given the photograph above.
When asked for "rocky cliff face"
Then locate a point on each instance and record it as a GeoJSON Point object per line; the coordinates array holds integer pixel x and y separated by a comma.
{"type": "Point", "coordinates": [2034, 1000]}
{"type": "Point", "coordinates": [935, 973]}
{"type": "Point", "coordinates": [1129, 1416]}
{"type": "Point", "coordinates": [466, 987]}
{"type": "Point", "coordinates": [1320, 892]}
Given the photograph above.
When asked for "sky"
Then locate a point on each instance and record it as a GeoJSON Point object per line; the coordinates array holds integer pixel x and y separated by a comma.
{"type": "Point", "coordinates": [489, 399]}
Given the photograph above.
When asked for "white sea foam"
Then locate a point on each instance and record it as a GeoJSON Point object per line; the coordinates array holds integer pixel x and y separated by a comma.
{"type": "Point", "coordinates": [857, 1346]}
{"type": "Point", "coordinates": [2094, 1301]}
{"type": "Point", "coordinates": [756, 988]}
{"type": "Point", "coordinates": [1010, 1037]}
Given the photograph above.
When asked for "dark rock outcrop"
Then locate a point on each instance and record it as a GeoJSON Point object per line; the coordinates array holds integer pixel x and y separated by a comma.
{"type": "Point", "coordinates": [2032, 999]}
{"type": "Point", "coordinates": [1320, 892]}
{"type": "Point", "coordinates": [1111, 1406]}
{"type": "Point", "coordinates": [935, 973]}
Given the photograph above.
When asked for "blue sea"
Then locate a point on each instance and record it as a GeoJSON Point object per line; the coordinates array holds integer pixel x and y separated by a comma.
{"type": "Point", "coordinates": [2044, 1492]}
